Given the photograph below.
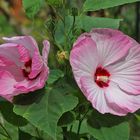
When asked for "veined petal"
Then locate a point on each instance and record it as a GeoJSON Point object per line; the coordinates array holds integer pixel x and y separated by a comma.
{"type": "Point", "coordinates": [96, 96]}
{"type": "Point", "coordinates": [127, 73]}
{"type": "Point", "coordinates": [23, 53]}
{"type": "Point", "coordinates": [26, 85]}
{"type": "Point", "coordinates": [117, 98]}
{"type": "Point", "coordinates": [7, 89]}
{"type": "Point", "coordinates": [45, 51]}
{"type": "Point", "coordinates": [28, 49]}
{"type": "Point", "coordinates": [10, 52]}
{"type": "Point", "coordinates": [27, 41]}
{"type": "Point", "coordinates": [84, 58]}
{"type": "Point", "coordinates": [22, 68]}
{"type": "Point", "coordinates": [112, 45]}
{"type": "Point", "coordinates": [37, 64]}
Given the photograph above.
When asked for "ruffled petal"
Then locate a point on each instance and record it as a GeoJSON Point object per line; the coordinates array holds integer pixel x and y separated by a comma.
{"type": "Point", "coordinates": [127, 73]}
{"type": "Point", "coordinates": [120, 101]}
{"type": "Point", "coordinates": [84, 58]}
{"type": "Point", "coordinates": [14, 57]}
{"type": "Point", "coordinates": [27, 41]}
{"type": "Point", "coordinates": [37, 64]}
{"type": "Point", "coordinates": [112, 45]}
{"type": "Point", "coordinates": [28, 49]}
{"type": "Point", "coordinates": [23, 53]}
{"type": "Point", "coordinates": [96, 95]}
{"type": "Point", "coordinates": [26, 85]}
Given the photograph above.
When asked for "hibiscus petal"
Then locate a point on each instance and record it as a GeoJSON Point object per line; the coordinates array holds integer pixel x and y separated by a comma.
{"type": "Point", "coordinates": [118, 98]}
{"type": "Point", "coordinates": [127, 73]}
{"type": "Point", "coordinates": [26, 85]}
{"type": "Point", "coordinates": [37, 65]}
{"type": "Point", "coordinates": [9, 52]}
{"type": "Point", "coordinates": [112, 45]}
{"type": "Point", "coordinates": [84, 58]}
{"type": "Point", "coordinates": [27, 41]}
{"type": "Point", "coordinates": [7, 89]}
{"type": "Point", "coordinates": [96, 96]}
{"type": "Point", "coordinates": [45, 51]}
{"type": "Point", "coordinates": [24, 54]}
{"type": "Point", "coordinates": [28, 45]}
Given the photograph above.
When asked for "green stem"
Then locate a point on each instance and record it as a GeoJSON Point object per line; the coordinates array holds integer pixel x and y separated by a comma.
{"type": "Point", "coordinates": [71, 128]}
{"type": "Point", "coordinates": [81, 120]}
{"type": "Point", "coordinates": [79, 126]}
{"type": "Point", "coordinates": [73, 22]}
{"type": "Point", "coordinates": [64, 132]}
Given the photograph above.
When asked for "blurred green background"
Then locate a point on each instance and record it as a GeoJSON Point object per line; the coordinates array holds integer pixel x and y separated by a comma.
{"type": "Point", "coordinates": [13, 20]}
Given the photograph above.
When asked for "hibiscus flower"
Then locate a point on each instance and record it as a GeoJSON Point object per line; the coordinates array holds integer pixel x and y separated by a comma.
{"type": "Point", "coordinates": [22, 68]}
{"type": "Point", "coordinates": [106, 67]}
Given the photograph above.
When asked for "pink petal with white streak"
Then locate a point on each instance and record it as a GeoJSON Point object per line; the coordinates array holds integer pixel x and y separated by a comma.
{"type": "Point", "coordinates": [97, 97]}
{"type": "Point", "coordinates": [118, 98]}
{"type": "Point", "coordinates": [7, 81]}
{"type": "Point", "coordinates": [27, 41]}
{"type": "Point", "coordinates": [127, 73]}
{"type": "Point", "coordinates": [111, 44]}
{"type": "Point", "coordinates": [84, 59]}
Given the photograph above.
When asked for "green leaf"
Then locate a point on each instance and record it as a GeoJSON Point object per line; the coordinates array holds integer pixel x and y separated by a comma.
{"type": "Point", "coordinates": [93, 5]}
{"type": "Point", "coordinates": [24, 136]}
{"type": "Point", "coordinates": [82, 22]}
{"type": "Point", "coordinates": [108, 127]}
{"type": "Point", "coordinates": [26, 99]}
{"type": "Point", "coordinates": [63, 31]}
{"type": "Point", "coordinates": [45, 114]}
{"type": "Point", "coordinates": [137, 116]}
{"type": "Point", "coordinates": [54, 76]}
{"type": "Point", "coordinates": [10, 116]}
{"type": "Point", "coordinates": [87, 23]}
{"type": "Point", "coordinates": [33, 131]}
{"type": "Point", "coordinates": [10, 131]}
{"type": "Point", "coordinates": [67, 119]}
{"type": "Point", "coordinates": [55, 2]}
{"type": "Point", "coordinates": [32, 7]}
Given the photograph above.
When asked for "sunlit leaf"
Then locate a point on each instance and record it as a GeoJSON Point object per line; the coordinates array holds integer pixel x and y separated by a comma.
{"type": "Point", "coordinates": [87, 22]}
{"type": "Point", "coordinates": [46, 113]}
{"type": "Point", "coordinates": [54, 76]}
{"type": "Point", "coordinates": [93, 5]}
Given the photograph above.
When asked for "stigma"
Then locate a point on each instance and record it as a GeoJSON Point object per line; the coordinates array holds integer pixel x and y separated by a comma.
{"type": "Point", "coordinates": [101, 77]}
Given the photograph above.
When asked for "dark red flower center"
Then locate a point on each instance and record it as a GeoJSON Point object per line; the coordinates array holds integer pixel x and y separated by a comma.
{"type": "Point", "coordinates": [102, 77]}
{"type": "Point", "coordinates": [27, 68]}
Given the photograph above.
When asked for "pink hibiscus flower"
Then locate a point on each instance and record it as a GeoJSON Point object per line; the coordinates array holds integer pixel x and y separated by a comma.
{"type": "Point", "coordinates": [22, 68]}
{"type": "Point", "coordinates": [106, 67]}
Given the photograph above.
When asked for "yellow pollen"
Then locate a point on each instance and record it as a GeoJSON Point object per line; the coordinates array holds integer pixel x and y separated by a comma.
{"type": "Point", "coordinates": [27, 69]}
{"type": "Point", "coordinates": [102, 78]}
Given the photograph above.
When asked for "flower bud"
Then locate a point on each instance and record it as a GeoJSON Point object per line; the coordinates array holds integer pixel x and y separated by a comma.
{"type": "Point", "coordinates": [62, 56]}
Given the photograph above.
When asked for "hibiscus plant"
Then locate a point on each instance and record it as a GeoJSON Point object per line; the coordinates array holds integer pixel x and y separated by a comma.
{"type": "Point", "coordinates": [82, 83]}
